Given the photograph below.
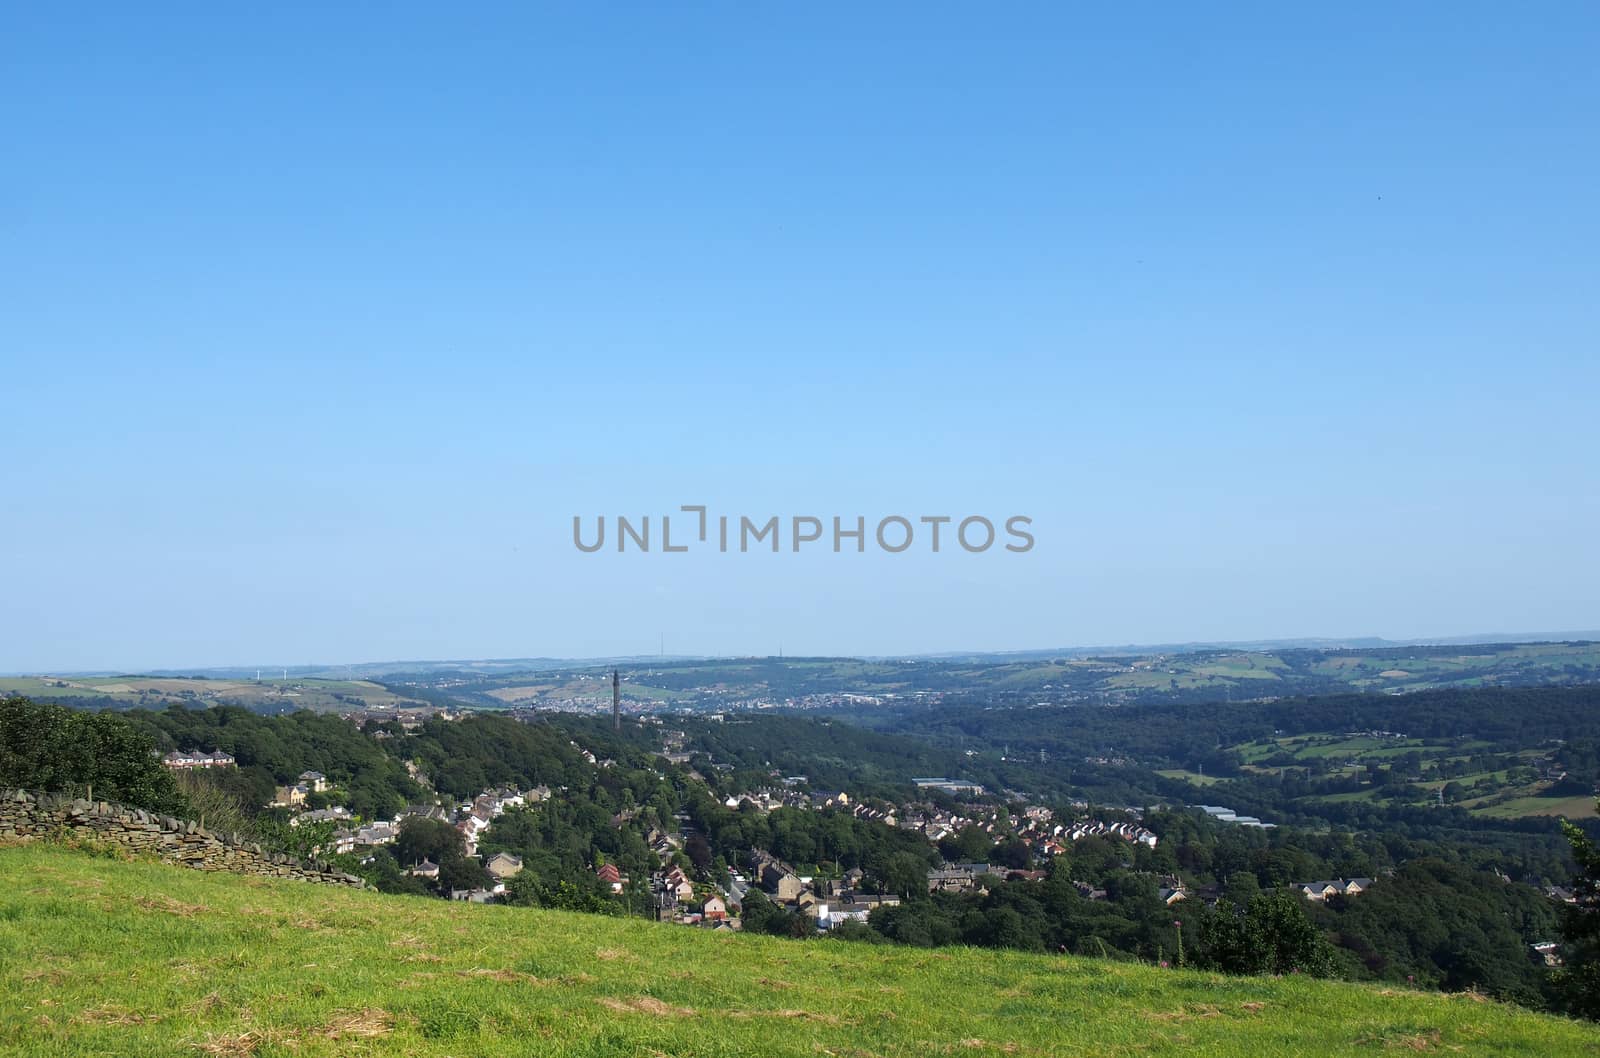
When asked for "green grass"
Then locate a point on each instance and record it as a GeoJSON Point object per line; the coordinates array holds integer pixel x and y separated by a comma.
{"type": "Point", "coordinates": [1580, 807]}
{"type": "Point", "coordinates": [99, 956]}
{"type": "Point", "coordinates": [1192, 777]}
{"type": "Point", "coordinates": [1344, 798]}
{"type": "Point", "coordinates": [1312, 746]}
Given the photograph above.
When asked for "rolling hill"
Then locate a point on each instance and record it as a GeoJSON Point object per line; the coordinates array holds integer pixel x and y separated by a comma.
{"type": "Point", "coordinates": [105, 956]}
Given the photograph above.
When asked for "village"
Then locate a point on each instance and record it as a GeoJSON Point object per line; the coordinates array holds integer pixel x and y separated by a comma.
{"type": "Point", "coordinates": [678, 894]}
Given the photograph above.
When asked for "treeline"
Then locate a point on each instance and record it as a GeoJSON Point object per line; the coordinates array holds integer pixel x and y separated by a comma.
{"type": "Point", "coordinates": [832, 754]}
{"type": "Point", "coordinates": [464, 757]}
{"type": "Point", "coordinates": [274, 750]}
{"type": "Point", "coordinates": [1199, 735]}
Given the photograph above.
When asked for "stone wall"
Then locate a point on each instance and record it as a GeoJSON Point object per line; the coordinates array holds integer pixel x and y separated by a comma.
{"type": "Point", "coordinates": [25, 815]}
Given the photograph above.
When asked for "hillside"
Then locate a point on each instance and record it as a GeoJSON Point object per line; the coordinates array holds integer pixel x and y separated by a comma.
{"type": "Point", "coordinates": [109, 957]}
{"type": "Point", "coordinates": [265, 695]}
{"type": "Point", "coordinates": [853, 685]}
{"type": "Point", "coordinates": [850, 685]}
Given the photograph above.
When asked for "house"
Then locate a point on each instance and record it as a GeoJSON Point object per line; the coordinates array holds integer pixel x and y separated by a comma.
{"type": "Point", "coordinates": [831, 915]}
{"type": "Point", "coordinates": [503, 865]}
{"type": "Point", "coordinates": [871, 900]}
{"type": "Point", "coordinates": [611, 877]}
{"type": "Point", "coordinates": [382, 833]}
{"type": "Point", "coordinates": [1548, 952]}
{"type": "Point", "coordinates": [469, 836]}
{"type": "Point", "coordinates": [183, 760]}
{"type": "Point", "coordinates": [289, 796]}
{"type": "Point", "coordinates": [852, 878]}
{"type": "Point", "coordinates": [1170, 896]}
{"type": "Point", "coordinates": [1321, 890]}
{"type": "Point", "coordinates": [336, 814]}
{"type": "Point", "coordinates": [956, 877]}
{"type": "Point", "coordinates": [714, 909]}
{"type": "Point", "coordinates": [949, 881]}
{"type": "Point", "coordinates": [425, 869]}
{"type": "Point", "coordinates": [317, 781]}
{"type": "Point", "coordinates": [783, 884]}
{"type": "Point", "coordinates": [473, 896]}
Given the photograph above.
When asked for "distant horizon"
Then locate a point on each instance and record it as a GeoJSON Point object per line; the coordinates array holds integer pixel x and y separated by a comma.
{"type": "Point", "coordinates": [1185, 646]}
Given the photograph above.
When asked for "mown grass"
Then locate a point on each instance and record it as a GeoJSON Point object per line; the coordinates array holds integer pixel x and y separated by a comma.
{"type": "Point", "coordinates": [105, 957]}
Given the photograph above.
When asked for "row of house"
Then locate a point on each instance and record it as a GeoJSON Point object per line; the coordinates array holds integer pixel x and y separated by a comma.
{"type": "Point", "coordinates": [183, 760]}
{"type": "Point", "coordinates": [1319, 891]}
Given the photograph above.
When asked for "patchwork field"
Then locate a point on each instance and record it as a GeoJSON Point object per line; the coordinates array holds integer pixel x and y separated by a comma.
{"type": "Point", "coordinates": [1513, 790]}
{"type": "Point", "coordinates": [99, 956]}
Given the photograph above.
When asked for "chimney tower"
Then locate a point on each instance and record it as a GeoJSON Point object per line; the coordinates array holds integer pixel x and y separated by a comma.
{"type": "Point", "coordinates": [616, 701]}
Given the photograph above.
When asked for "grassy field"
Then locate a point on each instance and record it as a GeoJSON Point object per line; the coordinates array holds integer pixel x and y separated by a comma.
{"type": "Point", "coordinates": [1544, 662]}
{"type": "Point", "coordinates": [1358, 747]}
{"type": "Point", "coordinates": [99, 956]}
{"type": "Point", "coordinates": [1192, 777]}
{"type": "Point", "coordinates": [1582, 807]}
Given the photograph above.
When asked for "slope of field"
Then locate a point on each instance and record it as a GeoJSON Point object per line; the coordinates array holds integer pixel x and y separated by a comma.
{"type": "Point", "coordinates": [99, 956]}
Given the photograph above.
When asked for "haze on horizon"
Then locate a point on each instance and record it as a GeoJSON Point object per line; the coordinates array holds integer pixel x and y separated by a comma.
{"type": "Point", "coordinates": [319, 328]}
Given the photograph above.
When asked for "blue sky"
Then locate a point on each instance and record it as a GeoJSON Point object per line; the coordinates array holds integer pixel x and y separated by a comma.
{"type": "Point", "coordinates": [317, 327]}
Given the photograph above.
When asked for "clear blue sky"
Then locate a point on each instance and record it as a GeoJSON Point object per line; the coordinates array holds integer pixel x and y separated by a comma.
{"type": "Point", "coordinates": [318, 326]}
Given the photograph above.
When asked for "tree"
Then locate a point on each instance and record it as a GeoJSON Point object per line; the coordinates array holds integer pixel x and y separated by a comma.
{"type": "Point", "coordinates": [1578, 980]}
{"type": "Point", "coordinates": [1241, 888]}
{"type": "Point", "coordinates": [699, 852]}
{"type": "Point", "coordinates": [46, 747]}
{"type": "Point", "coordinates": [760, 915]}
{"type": "Point", "coordinates": [905, 874]}
{"type": "Point", "coordinates": [1013, 852]}
{"type": "Point", "coordinates": [1272, 936]}
{"type": "Point", "coordinates": [460, 872]}
{"type": "Point", "coordinates": [421, 838]}
{"type": "Point", "coordinates": [970, 845]}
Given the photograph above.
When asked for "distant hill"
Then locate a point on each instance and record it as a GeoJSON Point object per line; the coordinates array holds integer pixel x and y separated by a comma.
{"type": "Point", "coordinates": [268, 695]}
{"type": "Point", "coordinates": [233, 966]}
{"type": "Point", "coordinates": [1113, 676]}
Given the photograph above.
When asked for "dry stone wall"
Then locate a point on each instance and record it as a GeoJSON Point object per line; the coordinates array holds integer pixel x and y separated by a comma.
{"type": "Point", "coordinates": [25, 816]}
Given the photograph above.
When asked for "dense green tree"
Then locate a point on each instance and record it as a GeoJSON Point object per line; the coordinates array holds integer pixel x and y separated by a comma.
{"type": "Point", "coordinates": [971, 844]}
{"type": "Point", "coordinates": [421, 838]}
{"type": "Point", "coordinates": [46, 747]}
{"type": "Point", "coordinates": [1578, 981]}
{"type": "Point", "coordinates": [1273, 935]}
